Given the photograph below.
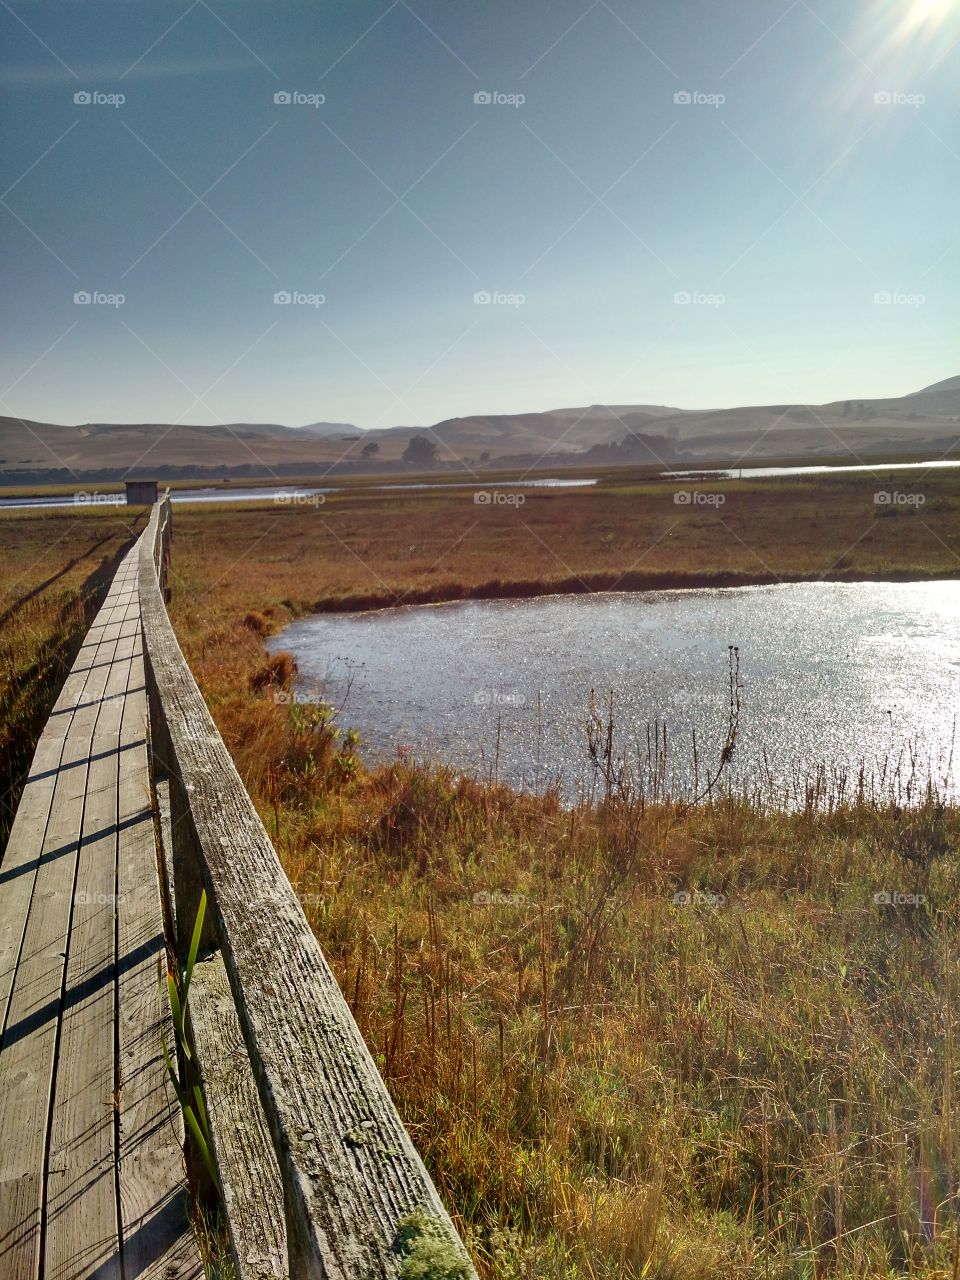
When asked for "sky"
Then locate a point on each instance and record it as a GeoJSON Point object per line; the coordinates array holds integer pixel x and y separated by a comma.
{"type": "Point", "coordinates": [391, 213]}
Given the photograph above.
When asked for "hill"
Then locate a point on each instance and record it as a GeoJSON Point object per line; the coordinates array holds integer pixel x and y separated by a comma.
{"type": "Point", "coordinates": [928, 419]}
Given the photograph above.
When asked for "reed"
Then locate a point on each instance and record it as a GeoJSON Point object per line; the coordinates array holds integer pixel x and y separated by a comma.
{"type": "Point", "coordinates": [184, 1074]}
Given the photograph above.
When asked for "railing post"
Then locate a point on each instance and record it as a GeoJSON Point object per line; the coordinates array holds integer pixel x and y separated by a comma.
{"type": "Point", "coordinates": [184, 853]}
{"type": "Point", "coordinates": [163, 551]}
{"type": "Point", "coordinates": [187, 879]}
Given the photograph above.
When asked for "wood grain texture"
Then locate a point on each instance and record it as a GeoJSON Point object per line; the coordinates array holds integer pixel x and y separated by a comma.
{"type": "Point", "coordinates": [31, 1033]}
{"type": "Point", "coordinates": [349, 1169]}
{"type": "Point", "coordinates": [252, 1190]}
{"type": "Point", "coordinates": [158, 1243]}
{"type": "Point", "coordinates": [81, 1200]}
{"type": "Point", "coordinates": [82, 805]}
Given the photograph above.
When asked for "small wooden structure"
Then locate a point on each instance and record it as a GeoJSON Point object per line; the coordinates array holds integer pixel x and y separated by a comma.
{"type": "Point", "coordinates": [141, 493]}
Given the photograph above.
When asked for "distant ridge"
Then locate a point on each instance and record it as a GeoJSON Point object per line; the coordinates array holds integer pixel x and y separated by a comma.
{"type": "Point", "coordinates": [948, 384]}
{"type": "Point", "coordinates": [595, 434]}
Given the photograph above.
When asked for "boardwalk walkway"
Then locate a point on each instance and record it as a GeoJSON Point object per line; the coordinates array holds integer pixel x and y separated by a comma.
{"type": "Point", "coordinates": [315, 1175]}
{"type": "Point", "coordinates": [91, 1166]}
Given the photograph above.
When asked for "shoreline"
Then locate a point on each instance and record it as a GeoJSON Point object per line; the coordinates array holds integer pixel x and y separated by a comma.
{"type": "Point", "coordinates": [598, 584]}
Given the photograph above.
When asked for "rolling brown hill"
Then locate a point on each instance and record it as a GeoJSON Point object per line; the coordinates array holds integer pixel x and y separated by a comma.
{"type": "Point", "coordinates": [38, 451]}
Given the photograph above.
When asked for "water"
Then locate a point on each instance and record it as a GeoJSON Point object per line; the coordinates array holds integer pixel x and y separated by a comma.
{"type": "Point", "coordinates": [292, 494]}
{"type": "Point", "coordinates": [279, 494]}
{"type": "Point", "coordinates": [831, 672]}
{"type": "Point", "coordinates": [284, 494]}
{"type": "Point", "coordinates": [752, 473]}
{"type": "Point", "coordinates": [93, 499]}
{"type": "Point", "coordinates": [548, 482]}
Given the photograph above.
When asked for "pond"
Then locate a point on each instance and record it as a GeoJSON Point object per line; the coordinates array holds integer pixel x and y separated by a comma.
{"type": "Point", "coordinates": [280, 494]}
{"type": "Point", "coordinates": [93, 498]}
{"type": "Point", "coordinates": [750, 472]}
{"type": "Point", "coordinates": [832, 674]}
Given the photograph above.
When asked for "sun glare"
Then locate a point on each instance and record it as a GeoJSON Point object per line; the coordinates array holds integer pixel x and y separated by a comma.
{"type": "Point", "coordinates": [925, 11]}
{"type": "Point", "coordinates": [901, 23]}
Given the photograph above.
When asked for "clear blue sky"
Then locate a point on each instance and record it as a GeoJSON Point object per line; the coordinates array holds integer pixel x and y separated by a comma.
{"type": "Point", "coordinates": [783, 210]}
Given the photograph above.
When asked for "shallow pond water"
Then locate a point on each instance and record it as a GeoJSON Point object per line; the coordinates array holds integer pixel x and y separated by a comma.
{"type": "Point", "coordinates": [831, 673]}
{"type": "Point", "coordinates": [750, 472]}
{"type": "Point", "coordinates": [278, 494]}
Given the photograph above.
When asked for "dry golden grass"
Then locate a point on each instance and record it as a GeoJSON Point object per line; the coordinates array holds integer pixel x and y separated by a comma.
{"type": "Point", "coordinates": [366, 549]}
{"type": "Point", "coordinates": [55, 573]}
{"type": "Point", "coordinates": [608, 1084]}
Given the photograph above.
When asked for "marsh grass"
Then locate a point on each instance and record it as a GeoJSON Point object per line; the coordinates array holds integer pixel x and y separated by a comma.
{"type": "Point", "coordinates": [642, 1036]}
{"type": "Point", "coordinates": [56, 573]}
{"type": "Point", "coordinates": [364, 549]}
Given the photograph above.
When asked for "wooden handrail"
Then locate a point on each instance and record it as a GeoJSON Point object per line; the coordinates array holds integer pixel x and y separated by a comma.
{"type": "Point", "coordinates": [349, 1170]}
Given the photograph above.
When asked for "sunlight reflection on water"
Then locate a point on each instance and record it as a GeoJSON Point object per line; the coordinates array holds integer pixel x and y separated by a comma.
{"type": "Point", "coordinates": [832, 673]}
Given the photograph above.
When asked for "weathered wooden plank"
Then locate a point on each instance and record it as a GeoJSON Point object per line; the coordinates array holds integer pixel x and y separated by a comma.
{"type": "Point", "coordinates": [22, 855]}
{"type": "Point", "coordinates": [57, 988]}
{"type": "Point", "coordinates": [158, 1241]}
{"type": "Point", "coordinates": [82, 1237]}
{"type": "Point", "coordinates": [349, 1169]}
{"type": "Point", "coordinates": [252, 1190]}
{"type": "Point", "coordinates": [30, 1035]}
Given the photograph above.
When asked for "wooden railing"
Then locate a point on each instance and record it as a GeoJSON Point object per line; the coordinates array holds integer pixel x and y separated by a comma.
{"type": "Point", "coordinates": [349, 1175]}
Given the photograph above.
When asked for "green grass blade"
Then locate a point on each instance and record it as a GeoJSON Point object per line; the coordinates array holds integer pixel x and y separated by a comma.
{"type": "Point", "coordinates": [177, 1086]}
{"type": "Point", "coordinates": [176, 1009]}
{"type": "Point", "coordinates": [194, 945]}
{"type": "Point", "coordinates": [201, 1110]}
{"type": "Point", "coordinates": [201, 1144]}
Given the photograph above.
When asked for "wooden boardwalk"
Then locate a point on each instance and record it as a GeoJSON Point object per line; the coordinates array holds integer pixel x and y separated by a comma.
{"type": "Point", "coordinates": [92, 1179]}
{"type": "Point", "coordinates": [133, 801]}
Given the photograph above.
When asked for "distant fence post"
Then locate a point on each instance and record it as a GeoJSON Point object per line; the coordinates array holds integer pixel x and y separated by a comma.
{"type": "Point", "coordinates": [163, 555]}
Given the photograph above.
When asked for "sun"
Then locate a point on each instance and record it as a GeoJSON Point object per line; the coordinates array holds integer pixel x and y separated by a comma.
{"type": "Point", "coordinates": [926, 16]}
{"type": "Point", "coordinates": [929, 10]}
